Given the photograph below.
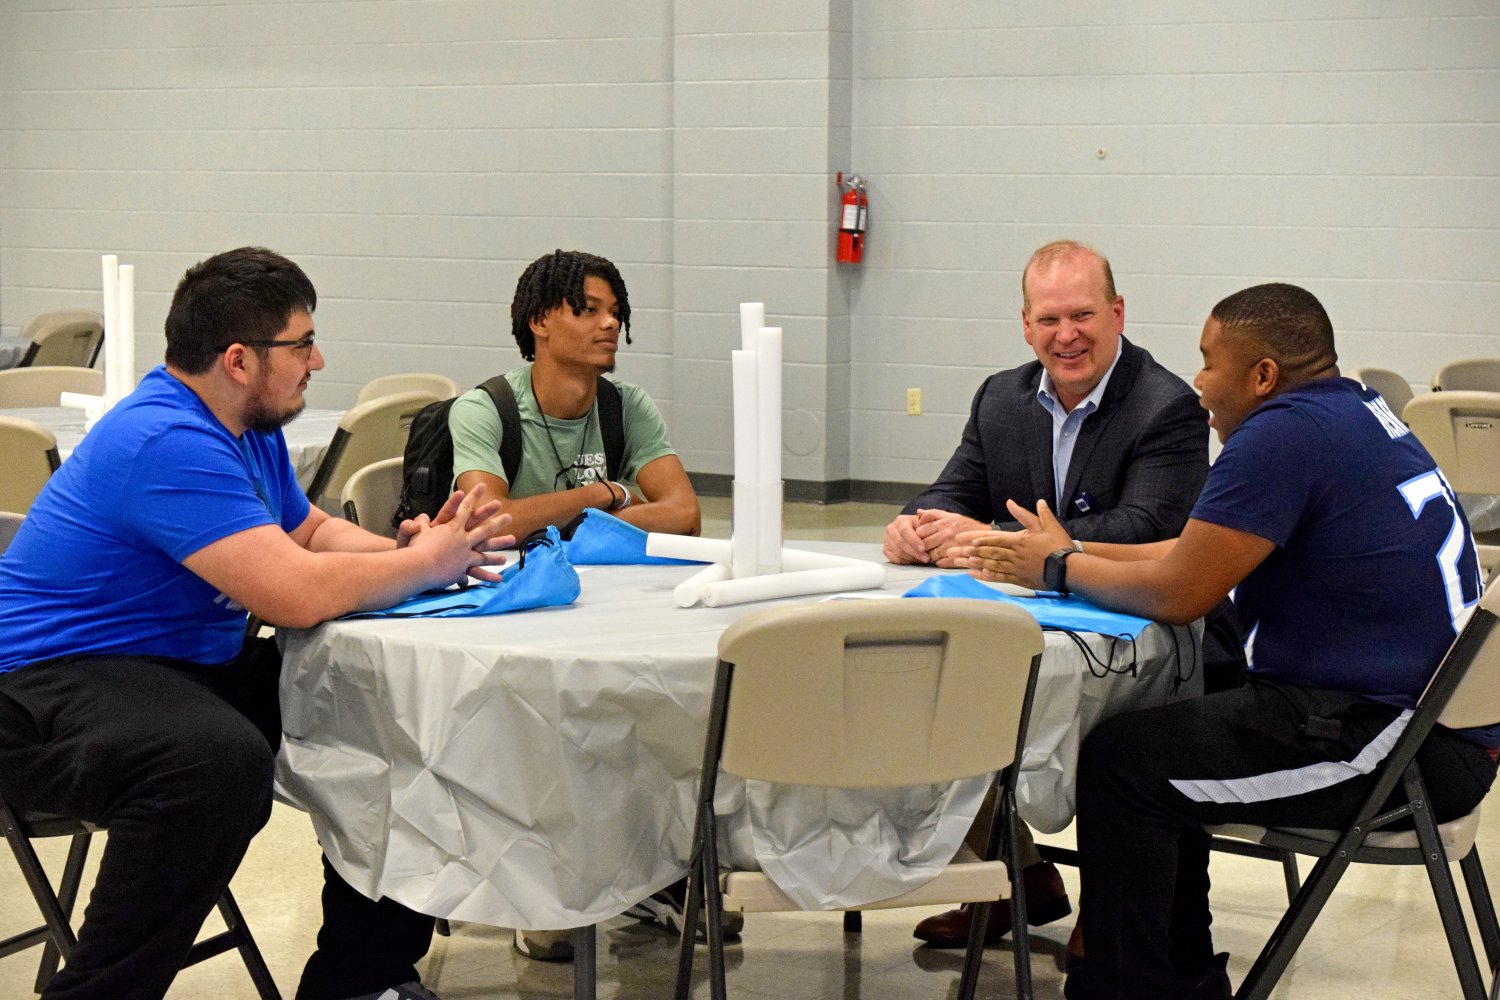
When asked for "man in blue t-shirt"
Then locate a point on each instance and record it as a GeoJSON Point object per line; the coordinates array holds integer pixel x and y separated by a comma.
{"type": "Point", "coordinates": [129, 695]}
{"type": "Point", "coordinates": [1352, 568]}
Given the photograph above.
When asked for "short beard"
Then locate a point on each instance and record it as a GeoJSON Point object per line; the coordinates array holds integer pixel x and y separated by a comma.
{"type": "Point", "coordinates": [263, 420]}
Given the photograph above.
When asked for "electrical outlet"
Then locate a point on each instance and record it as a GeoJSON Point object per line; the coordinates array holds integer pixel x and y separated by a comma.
{"type": "Point", "coordinates": [913, 402]}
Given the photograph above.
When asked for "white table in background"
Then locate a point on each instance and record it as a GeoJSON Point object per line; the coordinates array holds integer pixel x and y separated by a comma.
{"type": "Point", "coordinates": [540, 769]}
{"type": "Point", "coordinates": [307, 437]}
{"type": "Point", "coordinates": [12, 350]}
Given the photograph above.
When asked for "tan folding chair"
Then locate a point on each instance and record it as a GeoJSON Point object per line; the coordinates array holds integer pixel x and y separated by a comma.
{"type": "Point", "coordinates": [56, 933]}
{"type": "Point", "coordinates": [865, 694]}
{"type": "Point", "coordinates": [1461, 430]}
{"type": "Point", "coordinates": [63, 337]}
{"type": "Point", "coordinates": [366, 434]}
{"type": "Point", "coordinates": [43, 385]}
{"type": "Point", "coordinates": [370, 496]}
{"type": "Point", "coordinates": [10, 523]}
{"type": "Point", "coordinates": [1392, 386]}
{"type": "Point", "coordinates": [28, 454]}
{"type": "Point", "coordinates": [1470, 374]}
{"type": "Point", "coordinates": [387, 385]}
{"type": "Point", "coordinates": [1464, 693]}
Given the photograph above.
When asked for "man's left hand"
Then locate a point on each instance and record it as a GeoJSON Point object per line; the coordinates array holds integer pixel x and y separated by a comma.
{"type": "Point", "coordinates": [412, 527]}
{"type": "Point", "coordinates": [1014, 556]}
{"type": "Point", "coordinates": [939, 531]}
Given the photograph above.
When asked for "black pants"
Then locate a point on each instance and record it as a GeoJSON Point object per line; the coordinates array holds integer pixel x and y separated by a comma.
{"type": "Point", "coordinates": [176, 759]}
{"type": "Point", "coordinates": [1149, 780]}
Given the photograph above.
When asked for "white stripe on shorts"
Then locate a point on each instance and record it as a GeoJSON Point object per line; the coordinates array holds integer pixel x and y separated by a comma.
{"type": "Point", "coordinates": [1297, 780]}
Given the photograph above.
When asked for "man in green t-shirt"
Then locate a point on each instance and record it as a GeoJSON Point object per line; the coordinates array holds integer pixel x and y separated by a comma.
{"type": "Point", "coordinates": [567, 315]}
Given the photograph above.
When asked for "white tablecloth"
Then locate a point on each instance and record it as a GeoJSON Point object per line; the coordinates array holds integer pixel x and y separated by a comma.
{"type": "Point", "coordinates": [540, 769]}
{"type": "Point", "coordinates": [307, 437]}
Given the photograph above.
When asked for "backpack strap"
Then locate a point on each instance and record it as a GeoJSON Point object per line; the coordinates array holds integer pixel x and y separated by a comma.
{"type": "Point", "coordinates": [504, 398]}
{"type": "Point", "coordinates": [611, 426]}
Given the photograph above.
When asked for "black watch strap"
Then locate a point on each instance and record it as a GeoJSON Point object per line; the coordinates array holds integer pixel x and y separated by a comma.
{"type": "Point", "coordinates": [1055, 570]}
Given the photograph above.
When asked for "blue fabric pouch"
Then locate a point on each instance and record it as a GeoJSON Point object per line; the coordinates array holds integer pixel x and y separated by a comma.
{"type": "Point", "coordinates": [544, 578]}
{"type": "Point", "coordinates": [600, 539]}
{"type": "Point", "coordinates": [1055, 611]}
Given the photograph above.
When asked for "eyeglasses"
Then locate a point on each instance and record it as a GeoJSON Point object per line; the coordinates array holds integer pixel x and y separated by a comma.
{"type": "Point", "coordinates": [303, 347]}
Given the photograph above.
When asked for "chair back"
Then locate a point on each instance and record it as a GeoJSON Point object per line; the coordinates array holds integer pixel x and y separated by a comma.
{"type": "Point", "coordinates": [1392, 386]}
{"type": "Point", "coordinates": [366, 434]}
{"type": "Point", "coordinates": [1476, 699]}
{"type": "Point", "coordinates": [28, 454]}
{"type": "Point", "coordinates": [10, 523]}
{"type": "Point", "coordinates": [63, 337]}
{"type": "Point", "coordinates": [1472, 374]}
{"type": "Point", "coordinates": [1461, 430]}
{"type": "Point", "coordinates": [370, 496]}
{"type": "Point", "coordinates": [858, 694]}
{"type": "Point", "coordinates": [387, 385]}
{"type": "Point", "coordinates": [42, 385]}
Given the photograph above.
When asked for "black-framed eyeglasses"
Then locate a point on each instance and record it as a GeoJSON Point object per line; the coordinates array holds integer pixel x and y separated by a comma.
{"type": "Point", "coordinates": [303, 346]}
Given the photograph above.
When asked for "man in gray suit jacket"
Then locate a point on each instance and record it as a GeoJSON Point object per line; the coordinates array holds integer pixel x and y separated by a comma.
{"type": "Point", "coordinates": [1112, 441]}
{"type": "Point", "coordinates": [1116, 444]}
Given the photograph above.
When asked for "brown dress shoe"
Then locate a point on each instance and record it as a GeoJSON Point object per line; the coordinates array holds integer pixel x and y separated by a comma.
{"type": "Point", "coordinates": [1046, 901]}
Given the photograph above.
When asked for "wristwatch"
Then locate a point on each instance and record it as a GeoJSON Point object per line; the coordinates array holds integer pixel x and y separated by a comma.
{"type": "Point", "coordinates": [1055, 569]}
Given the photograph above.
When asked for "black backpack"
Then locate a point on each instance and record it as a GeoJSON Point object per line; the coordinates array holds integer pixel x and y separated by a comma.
{"type": "Point", "coordinates": [427, 463]}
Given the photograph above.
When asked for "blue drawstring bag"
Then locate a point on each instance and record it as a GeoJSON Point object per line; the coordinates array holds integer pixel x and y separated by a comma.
{"type": "Point", "coordinates": [600, 539]}
{"type": "Point", "coordinates": [1055, 611]}
{"type": "Point", "coordinates": [544, 578]}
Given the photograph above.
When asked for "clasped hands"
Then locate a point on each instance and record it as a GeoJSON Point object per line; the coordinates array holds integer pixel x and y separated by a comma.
{"type": "Point", "coordinates": [953, 541]}
{"type": "Point", "coordinates": [468, 521]}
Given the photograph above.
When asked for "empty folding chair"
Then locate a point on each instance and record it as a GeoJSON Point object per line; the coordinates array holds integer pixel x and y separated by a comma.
{"type": "Point", "coordinates": [864, 694]}
{"type": "Point", "coordinates": [387, 385]}
{"type": "Point", "coordinates": [369, 432]}
{"type": "Point", "coordinates": [44, 385]}
{"type": "Point", "coordinates": [63, 337]}
{"type": "Point", "coordinates": [370, 496]}
{"type": "Point", "coordinates": [1472, 374]}
{"type": "Point", "coordinates": [28, 454]}
{"type": "Point", "coordinates": [1393, 387]}
{"type": "Point", "coordinates": [1461, 430]}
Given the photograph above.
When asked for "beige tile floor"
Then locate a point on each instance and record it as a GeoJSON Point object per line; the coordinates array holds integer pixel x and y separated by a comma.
{"type": "Point", "coordinates": [1379, 936]}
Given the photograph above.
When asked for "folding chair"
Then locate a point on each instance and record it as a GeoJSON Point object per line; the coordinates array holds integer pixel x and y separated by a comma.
{"type": "Point", "coordinates": [28, 454]}
{"type": "Point", "coordinates": [865, 694]}
{"type": "Point", "coordinates": [368, 433]}
{"type": "Point", "coordinates": [63, 337]}
{"type": "Point", "coordinates": [1461, 430]}
{"type": "Point", "coordinates": [10, 523]}
{"type": "Point", "coordinates": [387, 385]}
{"type": "Point", "coordinates": [1472, 374]}
{"type": "Point", "coordinates": [42, 385]}
{"type": "Point", "coordinates": [1463, 693]}
{"type": "Point", "coordinates": [1392, 386]}
{"type": "Point", "coordinates": [56, 934]}
{"type": "Point", "coordinates": [370, 496]}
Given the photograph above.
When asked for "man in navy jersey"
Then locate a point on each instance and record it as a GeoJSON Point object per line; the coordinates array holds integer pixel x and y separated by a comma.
{"type": "Point", "coordinates": [1352, 568]}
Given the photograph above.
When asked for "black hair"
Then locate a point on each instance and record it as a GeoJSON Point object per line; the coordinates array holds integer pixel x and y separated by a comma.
{"type": "Point", "coordinates": [240, 295]}
{"type": "Point", "coordinates": [556, 279]}
{"type": "Point", "coordinates": [1282, 322]}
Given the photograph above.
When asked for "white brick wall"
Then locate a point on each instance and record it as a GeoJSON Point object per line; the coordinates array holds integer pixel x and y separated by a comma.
{"type": "Point", "coordinates": [414, 156]}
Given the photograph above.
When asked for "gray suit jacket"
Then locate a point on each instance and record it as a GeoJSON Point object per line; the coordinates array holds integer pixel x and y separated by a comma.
{"type": "Point", "coordinates": [1140, 460]}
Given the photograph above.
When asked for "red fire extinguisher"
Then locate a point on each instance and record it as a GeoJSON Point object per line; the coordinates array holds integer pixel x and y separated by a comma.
{"type": "Point", "coordinates": [854, 210]}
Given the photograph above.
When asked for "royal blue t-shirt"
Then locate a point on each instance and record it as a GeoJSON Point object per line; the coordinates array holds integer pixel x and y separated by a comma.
{"type": "Point", "coordinates": [96, 567]}
{"type": "Point", "coordinates": [1374, 562]}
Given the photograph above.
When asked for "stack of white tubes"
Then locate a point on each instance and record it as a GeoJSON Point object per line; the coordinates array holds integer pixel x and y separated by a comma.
{"type": "Point", "coordinates": [119, 342]}
{"type": "Point", "coordinates": [752, 565]}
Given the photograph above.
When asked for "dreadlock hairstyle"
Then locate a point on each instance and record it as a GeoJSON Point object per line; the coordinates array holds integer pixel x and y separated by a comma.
{"type": "Point", "coordinates": [556, 279]}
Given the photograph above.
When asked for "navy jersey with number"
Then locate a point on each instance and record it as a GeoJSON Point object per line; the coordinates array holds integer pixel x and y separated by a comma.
{"type": "Point", "coordinates": [1374, 562]}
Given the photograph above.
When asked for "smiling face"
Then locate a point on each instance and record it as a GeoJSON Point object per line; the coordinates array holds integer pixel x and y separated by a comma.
{"type": "Point", "coordinates": [282, 375]}
{"type": "Point", "coordinates": [588, 338]}
{"type": "Point", "coordinates": [1072, 323]}
{"type": "Point", "coordinates": [1231, 382]}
